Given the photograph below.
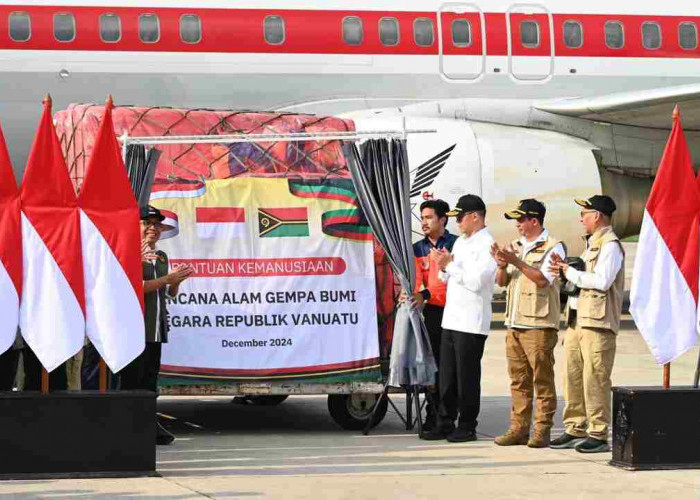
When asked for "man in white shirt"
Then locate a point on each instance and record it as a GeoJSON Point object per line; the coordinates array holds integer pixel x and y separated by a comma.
{"type": "Point", "coordinates": [593, 320]}
{"type": "Point", "coordinates": [533, 310]}
{"type": "Point", "coordinates": [469, 272]}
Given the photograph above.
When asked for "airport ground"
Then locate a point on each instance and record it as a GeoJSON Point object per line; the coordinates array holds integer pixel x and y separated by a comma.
{"type": "Point", "coordinates": [295, 450]}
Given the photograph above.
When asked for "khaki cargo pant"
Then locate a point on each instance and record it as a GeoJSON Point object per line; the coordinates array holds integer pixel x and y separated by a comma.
{"type": "Point", "coordinates": [530, 356]}
{"type": "Point", "coordinates": [590, 353]}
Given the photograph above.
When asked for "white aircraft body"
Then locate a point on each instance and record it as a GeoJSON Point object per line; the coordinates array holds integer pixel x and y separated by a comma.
{"type": "Point", "coordinates": [546, 99]}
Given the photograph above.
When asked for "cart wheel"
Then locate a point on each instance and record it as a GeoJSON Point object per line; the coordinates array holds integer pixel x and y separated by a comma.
{"type": "Point", "coordinates": [352, 411]}
{"type": "Point", "coordinates": [267, 400]}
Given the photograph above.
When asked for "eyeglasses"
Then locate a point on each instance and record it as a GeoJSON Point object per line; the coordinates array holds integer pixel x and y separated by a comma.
{"type": "Point", "coordinates": [151, 223]}
{"type": "Point", "coordinates": [584, 212]}
{"type": "Point", "coordinates": [462, 215]}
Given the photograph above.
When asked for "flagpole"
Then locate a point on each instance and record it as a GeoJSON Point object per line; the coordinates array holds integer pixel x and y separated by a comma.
{"type": "Point", "coordinates": [667, 376]}
{"type": "Point", "coordinates": [102, 376]}
{"type": "Point", "coordinates": [44, 381]}
{"type": "Point", "coordinates": [696, 380]}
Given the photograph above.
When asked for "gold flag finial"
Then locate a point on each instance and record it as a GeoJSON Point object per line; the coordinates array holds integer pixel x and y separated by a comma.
{"type": "Point", "coordinates": [47, 100]}
{"type": "Point", "coordinates": [110, 102]}
{"type": "Point", "coordinates": [676, 112]}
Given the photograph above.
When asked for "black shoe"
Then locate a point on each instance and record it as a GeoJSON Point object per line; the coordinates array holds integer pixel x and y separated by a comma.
{"type": "Point", "coordinates": [592, 445]}
{"type": "Point", "coordinates": [163, 437]}
{"type": "Point", "coordinates": [565, 441]}
{"type": "Point", "coordinates": [430, 422]}
{"type": "Point", "coordinates": [461, 436]}
{"type": "Point", "coordinates": [436, 434]}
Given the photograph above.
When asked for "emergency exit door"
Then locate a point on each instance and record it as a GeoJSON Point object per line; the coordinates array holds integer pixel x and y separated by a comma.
{"type": "Point", "coordinates": [530, 42]}
{"type": "Point", "coordinates": [461, 36]}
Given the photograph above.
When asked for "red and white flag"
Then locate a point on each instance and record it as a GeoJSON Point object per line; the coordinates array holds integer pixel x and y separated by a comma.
{"type": "Point", "coordinates": [111, 244]}
{"type": "Point", "coordinates": [182, 189]}
{"type": "Point", "coordinates": [220, 222]}
{"type": "Point", "coordinates": [10, 250]}
{"type": "Point", "coordinates": [171, 224]}
{"type": "Point", "coordinates": [52, 308]}
{"type": "Point", "coordinates": [664, 294]}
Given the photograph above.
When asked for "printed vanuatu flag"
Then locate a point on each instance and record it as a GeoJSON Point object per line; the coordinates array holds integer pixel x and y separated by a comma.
{"type": "Point", "coordinates": [667, 259]}
{"type": "Point", "coordinates": [53, 297]}
{"type": "Point", "coordinates": [111, 244]}
{"type": "Point", "coordinates": [220, 222]}
{"type": "Point", "coordinates": [10, 250]}
{"type": "Point", "coordinates": [280, 222]}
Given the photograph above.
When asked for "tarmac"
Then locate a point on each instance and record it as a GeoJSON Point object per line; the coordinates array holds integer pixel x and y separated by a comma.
{"type": "Point", "coordinates": [295, 450]}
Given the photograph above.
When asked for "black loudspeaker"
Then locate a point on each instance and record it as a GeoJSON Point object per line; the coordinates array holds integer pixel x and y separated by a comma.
{"type": "Point", "coordinates": [655, 428]}
{"type": "Point", "coordinates": [77, 434]}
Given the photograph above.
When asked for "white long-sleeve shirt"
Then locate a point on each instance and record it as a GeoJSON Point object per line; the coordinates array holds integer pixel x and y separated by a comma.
{"type": "Point", "coordinates": [470, 281]}
{"type": "Point", "coordinates": [602, 277]}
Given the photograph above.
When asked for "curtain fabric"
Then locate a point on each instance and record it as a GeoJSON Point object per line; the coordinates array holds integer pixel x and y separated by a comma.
{"type": "Point", "coordinates": [379, 170]}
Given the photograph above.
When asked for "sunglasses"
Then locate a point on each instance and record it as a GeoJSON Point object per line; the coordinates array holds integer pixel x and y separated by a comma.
{"type": "Point", "coordinates": [151, 223]}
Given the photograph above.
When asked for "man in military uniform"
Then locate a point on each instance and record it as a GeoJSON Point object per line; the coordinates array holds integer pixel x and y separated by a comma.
{"type": "Point", "coordinates": [532, 316]}
{"type": "Point", "coordinates": [593, 319]}
{"type": "Point", "coordinates": [142, 373]}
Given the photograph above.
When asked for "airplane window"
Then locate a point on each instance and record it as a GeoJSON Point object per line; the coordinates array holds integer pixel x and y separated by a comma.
{"type": "Point", "coordinates": [688, 36]}
{"type": "Point", "coordinates": [614, 35]}
{"type": "Point", "coordinates": [149, 28]}
{"type": "Point", "coordinates": [20, 26]}
{"type": "Point", "coordinates": [573, 34]}
{"type": "Point", "coordinates": [461, 33]}
{"type": "Point", "coordinates": [423, 33]}
{"type": "Point", "coordinates": [190, 28]}
{"type": "Point", "coordinates": [530, 34]}
{"type": "Point", "coordinates": [389, 31]}
{"type": "Point", "coordinates": [110, 28]}
{"type": "Point", "coordinates": [64, 27]}
{"type": "Point", "coordinates": [352, 30]}
{"type": "Point", "coordinates": [274, 30]}
{"type": "Point", "coordinates": [651, 35]}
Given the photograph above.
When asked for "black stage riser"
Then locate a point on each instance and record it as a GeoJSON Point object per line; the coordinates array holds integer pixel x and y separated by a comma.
{"type": "Point", "coordinates": [656, 428]}
{"type": "Point", "coordinates": [77, 433]}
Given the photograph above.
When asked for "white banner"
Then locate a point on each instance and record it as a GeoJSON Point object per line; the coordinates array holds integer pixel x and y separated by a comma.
{"type": "Point", "coordinates": [283, 284]}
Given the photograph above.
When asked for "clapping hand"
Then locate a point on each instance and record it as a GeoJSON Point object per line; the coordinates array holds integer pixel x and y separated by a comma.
{"type": "Point", "coordinates": [441, 256]}
{"type": "Point", "coordinates": [497, 254]}
{"type": "Point", "coordinates": [557, 265]}
{"type": "Point", "coordinates": [147, 253]}
{"type": "Point", "coordinates": [180, 274]}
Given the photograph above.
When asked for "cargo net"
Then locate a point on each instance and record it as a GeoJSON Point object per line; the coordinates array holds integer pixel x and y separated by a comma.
{"type": "Point", "coordinates": [78, 125]}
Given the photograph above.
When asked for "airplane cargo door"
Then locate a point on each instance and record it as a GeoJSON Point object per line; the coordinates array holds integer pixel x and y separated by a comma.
{"type": "Point", "coordinates": [530, 43]}
{"type": "Point", "coordinates": [462, 41]}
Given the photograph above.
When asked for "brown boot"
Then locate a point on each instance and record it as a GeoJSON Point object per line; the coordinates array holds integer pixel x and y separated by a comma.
{"type": "Point", "coordinates": [539, 439]}
{"type": "Point", "coordinates": [511, 438]}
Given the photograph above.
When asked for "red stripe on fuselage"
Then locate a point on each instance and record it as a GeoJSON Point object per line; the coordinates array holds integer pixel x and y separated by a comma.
{"type": "Point", "coordinates": [320, 32]}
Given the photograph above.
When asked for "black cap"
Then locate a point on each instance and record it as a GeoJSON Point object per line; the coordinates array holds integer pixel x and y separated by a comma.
{"type": "Point", "coordinates": [467, 203]}
{"type": "Point", "coordinates": [149, 212]}
{"type": "Point", "coordinates": [601, 203]}
{"type": "Point", "coordinates": [527, 208]}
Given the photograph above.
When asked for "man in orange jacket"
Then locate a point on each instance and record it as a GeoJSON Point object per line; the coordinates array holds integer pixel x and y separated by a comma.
{"type": "Point", "coordinates": [430, 292]}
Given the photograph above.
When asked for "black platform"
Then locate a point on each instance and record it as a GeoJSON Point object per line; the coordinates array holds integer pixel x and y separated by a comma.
{"type": "Point", "coordinates": [655, 428]}
{"type": "Point", "coordinates": [77, 434]}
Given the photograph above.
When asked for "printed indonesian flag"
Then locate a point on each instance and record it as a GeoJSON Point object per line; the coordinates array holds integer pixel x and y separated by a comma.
{"type": "Point", "coordinates": [10, 251]}
{"type": "Point", "coordinates": [220, 222]}
{"type": "Point", "coordinates": [111, 245]}
{"type": "Point", "coordinates": [53, 297]}
{"type": "Point", "coordinates": [664, 294]}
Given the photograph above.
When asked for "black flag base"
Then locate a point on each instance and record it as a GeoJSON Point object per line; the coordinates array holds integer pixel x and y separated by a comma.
{"type": "Point", "coordinates": [413, 402]}
{"type": "Point", "coordinates": [77, 434]}
{"type": "Point", "coordinates": [655, 428]}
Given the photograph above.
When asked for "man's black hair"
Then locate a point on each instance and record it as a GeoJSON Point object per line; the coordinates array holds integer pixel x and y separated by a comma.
{"type": "Point", "coordinates": [440, 207]}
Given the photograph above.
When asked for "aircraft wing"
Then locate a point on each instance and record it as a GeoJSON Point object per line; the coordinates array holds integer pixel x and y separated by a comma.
{"type": "Point", "coordinates": [644, 108]}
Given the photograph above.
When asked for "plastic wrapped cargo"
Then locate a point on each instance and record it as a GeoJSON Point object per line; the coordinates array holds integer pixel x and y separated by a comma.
{"type": "Point", "coordinates": [78, 125]}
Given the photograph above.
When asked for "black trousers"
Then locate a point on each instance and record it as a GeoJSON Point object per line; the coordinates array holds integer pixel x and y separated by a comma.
{"type": "Point", "coordinates": [460, 378]}
{"type": "Point", "coordinates": [8, 368]}
{"type": "Point", "coordinates": [433, 321]}
{"type": "Point", "coordinates": [32, 373]}
{"type": "Point", "coordinates": [142, 373]}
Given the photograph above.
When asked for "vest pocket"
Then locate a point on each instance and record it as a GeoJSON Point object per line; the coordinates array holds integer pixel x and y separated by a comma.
{"type": "Point", "coordinates": [592, 305]}
{"type": "Point", "coordinates": [534, 304]}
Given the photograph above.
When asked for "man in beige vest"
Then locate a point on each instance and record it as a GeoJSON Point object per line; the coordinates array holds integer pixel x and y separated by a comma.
{"type": "Point", "coordinates": [532, 316]}
{"type": "Point", "coordinates": [593, 319]}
